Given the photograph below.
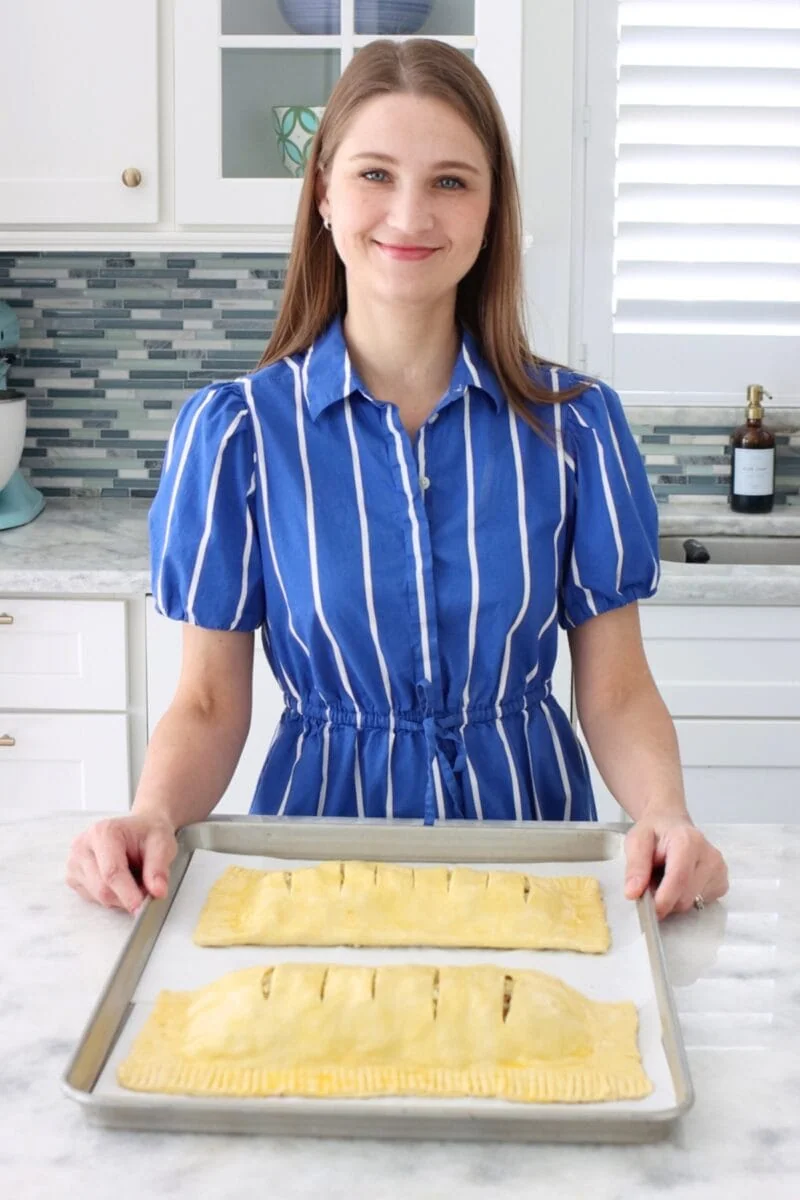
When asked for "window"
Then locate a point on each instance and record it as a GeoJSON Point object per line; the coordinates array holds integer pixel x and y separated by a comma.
{"type": "Point", "coordinates": [690, 236]}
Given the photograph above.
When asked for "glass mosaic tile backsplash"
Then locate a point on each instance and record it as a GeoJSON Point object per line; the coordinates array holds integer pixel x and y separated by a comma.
{"type": "Point", "coordinates": [112, 344]}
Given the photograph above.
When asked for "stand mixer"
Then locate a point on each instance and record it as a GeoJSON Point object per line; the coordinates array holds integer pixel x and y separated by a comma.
{"type": "Point", "coordinates": [19, 502]}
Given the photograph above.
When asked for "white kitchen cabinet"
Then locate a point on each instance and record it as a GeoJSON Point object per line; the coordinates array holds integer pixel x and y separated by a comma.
{"type": "Point", "coordinates": [78, 108]}
{"type": "Point", "coordinates": [62, 654]}
{"type": "Point", "coordinates": [57, 657]}
{"type": "Point", "coordinates": [164, 648]}
{"type": "Point", "coordinates": [738, 770]}
{"type": "Point", "coordinates": [238, 60]}
{"type": "Point", "coordinates": [723, 660]}
{"type": "Point", "coordinates": [730, 677]}
{"type": "Point", "coordinates": [204, 142]}
{"type": "Point", "coordinates": [733, 770]}
{"type": "Point", "coordinates": [52, 762]}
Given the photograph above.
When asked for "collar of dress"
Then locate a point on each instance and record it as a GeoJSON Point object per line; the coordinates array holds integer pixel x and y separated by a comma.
{"type": "Point", "coordinates": [329, 376]}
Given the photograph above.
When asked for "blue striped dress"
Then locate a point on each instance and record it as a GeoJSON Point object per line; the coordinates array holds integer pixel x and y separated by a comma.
{"type": "Point", "coordinates": [407, 592]}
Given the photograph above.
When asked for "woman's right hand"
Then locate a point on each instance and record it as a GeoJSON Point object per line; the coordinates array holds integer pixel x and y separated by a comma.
{"type": "Point", "coordinates": [120, 861]}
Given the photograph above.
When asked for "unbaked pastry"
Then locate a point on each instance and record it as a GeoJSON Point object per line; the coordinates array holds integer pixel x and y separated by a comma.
{"type": "Point", "coordinates": [356, 903]}
{"type": "Point", "coordinates": [315, 1029]}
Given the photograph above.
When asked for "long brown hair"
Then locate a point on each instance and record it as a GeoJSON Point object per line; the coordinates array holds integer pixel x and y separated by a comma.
{"type": "Point", "coordinates": [489, 300]}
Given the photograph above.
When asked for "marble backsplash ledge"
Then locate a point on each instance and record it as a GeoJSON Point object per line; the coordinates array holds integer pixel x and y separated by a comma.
{"type": "Point", "coordinates": [112, 345]}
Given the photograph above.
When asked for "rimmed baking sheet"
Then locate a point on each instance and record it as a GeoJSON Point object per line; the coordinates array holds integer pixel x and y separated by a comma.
{"type": "Point", "coordinates": [631, 970]}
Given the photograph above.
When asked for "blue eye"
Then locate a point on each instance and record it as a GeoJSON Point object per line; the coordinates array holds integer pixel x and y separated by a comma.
{"type": "Point", "coordinates": [451, 178]}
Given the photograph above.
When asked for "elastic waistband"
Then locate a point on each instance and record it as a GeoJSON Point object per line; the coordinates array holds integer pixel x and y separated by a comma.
{"type": "Point", "coordinates": [413, 719]}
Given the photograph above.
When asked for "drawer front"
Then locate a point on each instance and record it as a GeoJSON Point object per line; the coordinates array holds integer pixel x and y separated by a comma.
{"type": "Point", "coordinates": [741, 770]}
{"type": "Point", "coordinates": [62, 762]}
{"type": "Point", "coordinates": [63, 654]}
{"type": "Point", "coordinates": [733, 771]}
{"type": "Point", "coordinates": [724, 661]}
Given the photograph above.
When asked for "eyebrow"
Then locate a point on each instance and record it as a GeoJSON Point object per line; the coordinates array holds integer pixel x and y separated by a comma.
{"type": "Point", "coordinates": [440, 166]}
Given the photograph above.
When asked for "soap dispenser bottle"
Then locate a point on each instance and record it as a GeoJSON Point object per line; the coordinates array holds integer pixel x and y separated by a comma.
{"type": "Point", "coordinates": [753, 459]}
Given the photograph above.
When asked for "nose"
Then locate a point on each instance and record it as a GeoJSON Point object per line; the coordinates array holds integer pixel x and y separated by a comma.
{"type": "Point", "coordinates": [411, 213]}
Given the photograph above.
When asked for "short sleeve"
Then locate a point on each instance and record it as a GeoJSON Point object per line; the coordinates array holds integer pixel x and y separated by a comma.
{"type": "Point", "coordinates": [204, 549]}
{"type": "Point", "coordinates": [611, 555]}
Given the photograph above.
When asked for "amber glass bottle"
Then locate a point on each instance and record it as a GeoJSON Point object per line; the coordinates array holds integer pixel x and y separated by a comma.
{"type": "Point", "coordinates": [753, 459]}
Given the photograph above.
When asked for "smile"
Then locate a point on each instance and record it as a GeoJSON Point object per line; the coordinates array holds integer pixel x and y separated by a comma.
{"type": "Point", "coordinates": [406, 252]}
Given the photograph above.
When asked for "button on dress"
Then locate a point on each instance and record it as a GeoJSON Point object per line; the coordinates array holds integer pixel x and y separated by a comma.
{"type": "Point", "coordinates": [407, 592]}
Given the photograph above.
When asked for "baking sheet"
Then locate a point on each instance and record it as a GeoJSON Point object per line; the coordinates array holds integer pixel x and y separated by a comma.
{"type": "Point", "coordinates": [624, 973]}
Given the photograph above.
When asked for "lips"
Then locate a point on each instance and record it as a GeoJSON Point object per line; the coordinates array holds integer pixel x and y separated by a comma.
{"type": "Point", "coordinates": [406, 252]}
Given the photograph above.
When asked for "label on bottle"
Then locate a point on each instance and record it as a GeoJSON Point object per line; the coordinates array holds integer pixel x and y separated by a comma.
{"type": "Point", "coordinates": [753, 471]}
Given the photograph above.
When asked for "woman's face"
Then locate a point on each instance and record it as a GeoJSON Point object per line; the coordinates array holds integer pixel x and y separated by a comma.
{"type": "Point", "coordinates": [408, 173]}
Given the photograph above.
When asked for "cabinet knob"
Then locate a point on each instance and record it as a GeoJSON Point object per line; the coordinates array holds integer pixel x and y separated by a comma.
{"type": "Point", "coordinates": [131, 177]}
{"type": "Point", "coordinates": [7, 740]}
{"type": "Point", "coordinates": [6, 619]}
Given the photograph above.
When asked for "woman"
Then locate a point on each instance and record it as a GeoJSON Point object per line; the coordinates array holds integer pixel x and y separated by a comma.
{"type": "Point", "coordinates": [406, 502]}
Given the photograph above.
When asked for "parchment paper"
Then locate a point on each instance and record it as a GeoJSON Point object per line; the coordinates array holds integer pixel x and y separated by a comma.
{"type": "Point", "coordinates": [624, 973]}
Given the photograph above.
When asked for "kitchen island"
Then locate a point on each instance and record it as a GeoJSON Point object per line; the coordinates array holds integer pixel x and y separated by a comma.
{"type": "Point", "coordinates": [734, 968]}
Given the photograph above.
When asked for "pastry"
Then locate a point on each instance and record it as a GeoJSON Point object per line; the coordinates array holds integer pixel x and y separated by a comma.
{"type": "Point", "coordinates": [324, 1030]}
{"type": "Point", "coordinates": [356, 903]}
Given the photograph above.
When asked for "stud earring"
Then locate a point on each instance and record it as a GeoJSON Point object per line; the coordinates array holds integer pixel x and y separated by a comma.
{"type": "Point", "coordinates": [326, 222]}
{"type": "Point", "coordinates": [484, 243]}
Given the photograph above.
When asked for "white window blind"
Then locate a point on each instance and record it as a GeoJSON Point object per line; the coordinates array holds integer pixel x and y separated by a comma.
{"type": "Point", "coordinates": [691, 214]}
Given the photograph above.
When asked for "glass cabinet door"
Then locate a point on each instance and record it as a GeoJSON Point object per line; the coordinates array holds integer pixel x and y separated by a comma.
{"type": "Point", "coordinates": [253, 78]}
{"type": "Point", "coordinates": [372, 18]}
{"type": "Point", "coordinates": [272, 102]}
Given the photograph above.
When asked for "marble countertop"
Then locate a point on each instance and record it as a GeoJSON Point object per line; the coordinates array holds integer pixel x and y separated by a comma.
{"type": "Point", "coordinates": [100, 547]}
{"type": "Point", "coordinates": [734, 969]}
{"type": "Point", "coordinates": [79, 546]}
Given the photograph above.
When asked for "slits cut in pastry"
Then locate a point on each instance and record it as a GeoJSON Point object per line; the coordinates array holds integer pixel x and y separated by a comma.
{"type": "Point", "coordinates": [356, 903]}
{"type": "Point", "coordinates": [321, 1030]}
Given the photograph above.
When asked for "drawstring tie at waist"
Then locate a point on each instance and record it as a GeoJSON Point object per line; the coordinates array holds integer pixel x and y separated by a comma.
{"type": "Point", "coordinates": [436, 731]}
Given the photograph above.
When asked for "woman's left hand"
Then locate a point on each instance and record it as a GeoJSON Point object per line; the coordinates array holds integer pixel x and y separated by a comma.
{"type": "Point", "coordinates": [692, 866]}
